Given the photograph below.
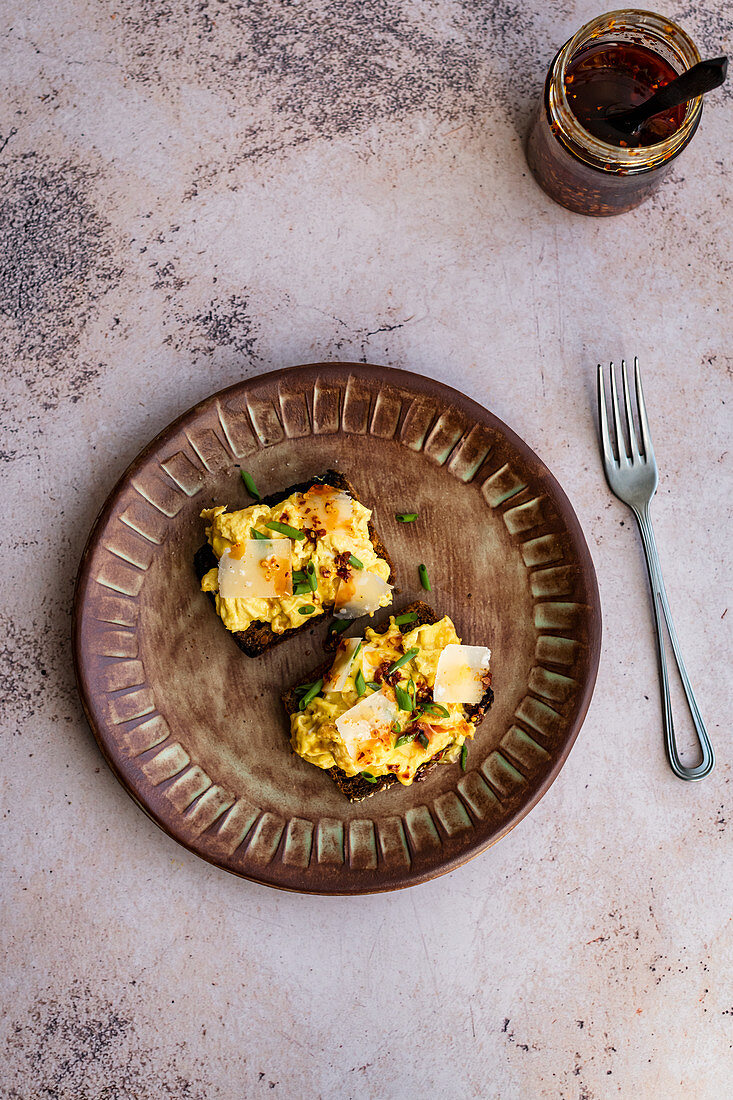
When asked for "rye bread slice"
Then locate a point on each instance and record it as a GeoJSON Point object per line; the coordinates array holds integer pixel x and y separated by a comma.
{"type": "Point", "coordinates": [259, 636]}
{"type": "Point", "coordinates": [354, 787]}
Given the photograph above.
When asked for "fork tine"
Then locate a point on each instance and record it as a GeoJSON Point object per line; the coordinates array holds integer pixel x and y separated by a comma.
{"type": "Point", "coordinates": [623, 458]}
{"type": "Point", "coordinates": [633, 445]}
{"type": "Point", "coordinates": [646, 435]}
{"type": "Point", "coordinates": [608, 456]}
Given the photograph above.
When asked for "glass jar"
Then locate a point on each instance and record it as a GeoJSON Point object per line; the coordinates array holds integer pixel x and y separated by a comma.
{"type": "Point", "coordinates": [577, 169]}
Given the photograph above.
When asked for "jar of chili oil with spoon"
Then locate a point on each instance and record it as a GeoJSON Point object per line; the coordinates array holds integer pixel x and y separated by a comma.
{"type": "Point", "coordinates": [613, 63]}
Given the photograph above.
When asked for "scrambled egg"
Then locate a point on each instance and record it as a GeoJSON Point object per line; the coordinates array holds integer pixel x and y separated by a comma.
{"type": "Point", "coordinates": [314, 734]}
{"type": "Point", "coordinates": [327, 550]}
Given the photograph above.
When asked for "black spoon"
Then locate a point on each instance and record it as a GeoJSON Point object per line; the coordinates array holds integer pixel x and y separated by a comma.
{"type": "Point", "coordinates": [701, 78]}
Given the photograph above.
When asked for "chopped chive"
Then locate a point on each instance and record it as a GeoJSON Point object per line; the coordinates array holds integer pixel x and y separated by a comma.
{"type": "Point", "coordinates": [257, 534]}
{"type": "Point", "coordinates": [404, 702]}
{"type": "Point", "coordinates": [357, 650]}
{"type": "Point", "coordinates": [435, 708]}
{"type": "Point", "coordinates": [355, 563]}
{"type": "Point", "coordinates": [424, 579]}
{"type": "Point", "coordinates": [403, 660]}
{"type": "Point", "coordinates": [408, 618]}
{"type": "Point", "coordinates": [306, 609]}
{"type": "Point", "coordinates": [396, 727]}
{"type": "Point", "coordinates": [302, 689]}
{"type": "Point", "coordinates": [285, 529]}
{"type": "Point", "coordinates": [249, 483]}
{"type": "Point", "coordinates": [339, 626]}
{"type": "Point", "coordinates": [374, 685]}
{"type": "Point", "coordinates": [313, 690]}
{"type": "Point", "coordinates": [406, 517]}
{"type": "Point", "coordinates": [301, 589]}
{"type": "Point", "coordinates": [464, 756]}
{"type": "Point", "coordinates": [359, 683]}
{"type": "Point", "coordinates": [404, 740]}
{"type": "Point", "coordinates": [369, 778]}
{"type": "Point", "coordinates": [305, 579]}
{"type": "Point", "coordinates": [423, 740]}
{"type": "Point", "coordinates": [412, 690]}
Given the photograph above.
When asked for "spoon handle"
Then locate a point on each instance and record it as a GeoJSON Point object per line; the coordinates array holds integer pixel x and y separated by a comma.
{"type": "Point", "coordinates": [701, 78]}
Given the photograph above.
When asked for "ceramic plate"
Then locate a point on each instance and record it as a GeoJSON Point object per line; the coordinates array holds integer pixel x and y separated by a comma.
{"type": "Point", "coordinates": [193, 728]}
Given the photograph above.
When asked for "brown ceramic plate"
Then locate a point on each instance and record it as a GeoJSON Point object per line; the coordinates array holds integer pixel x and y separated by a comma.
{"type": "Point", "coordinates": [193, 729]}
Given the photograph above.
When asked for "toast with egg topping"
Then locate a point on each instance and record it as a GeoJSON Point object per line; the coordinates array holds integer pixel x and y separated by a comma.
{"type": "Point", "coordinates": [334, 551]}
{"type": "Point", "coordinates": [395, 666]}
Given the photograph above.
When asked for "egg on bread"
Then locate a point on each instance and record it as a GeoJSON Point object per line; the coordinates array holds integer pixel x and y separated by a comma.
{"type": "Point", "coordinates": [372, 718]}
{"type": "Point", "coordinates": [283, 562]}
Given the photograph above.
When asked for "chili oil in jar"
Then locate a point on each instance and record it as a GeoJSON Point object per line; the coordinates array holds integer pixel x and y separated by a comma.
{"type": "Point", "coordinates": [614, 62]}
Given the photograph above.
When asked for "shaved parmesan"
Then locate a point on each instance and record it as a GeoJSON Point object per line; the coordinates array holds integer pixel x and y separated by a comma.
{"type": "Point", "coordinates": [339, 674]}
{"type": "Point", "coordinates": [256, 569]}
{"type": "Point", "coordinates": [371, 719]}
{"type": "Point", "coordinates": [329, 509]}
{"type": "Point", "coordinates": [460, 674]}
{"type": "Point", "coordinates": [361, 594]}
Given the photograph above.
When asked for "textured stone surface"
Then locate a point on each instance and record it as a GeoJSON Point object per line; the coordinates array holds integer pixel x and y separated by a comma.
{"type": "Point", "coordinates": [192, 193]}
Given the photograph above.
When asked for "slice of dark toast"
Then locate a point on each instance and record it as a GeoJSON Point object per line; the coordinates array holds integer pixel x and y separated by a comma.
{"type": "Point", "coordinates": [354, 787]}
{"type": "Point", "coordinates": [259, 636]}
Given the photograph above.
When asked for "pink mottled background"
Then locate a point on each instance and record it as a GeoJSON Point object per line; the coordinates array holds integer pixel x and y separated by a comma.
{"type": "Point", "coordinates": [191, 193]}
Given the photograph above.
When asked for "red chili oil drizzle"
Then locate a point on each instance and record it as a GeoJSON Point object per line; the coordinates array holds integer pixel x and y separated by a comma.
{"type": "Point", "coordinates": [620, 75]}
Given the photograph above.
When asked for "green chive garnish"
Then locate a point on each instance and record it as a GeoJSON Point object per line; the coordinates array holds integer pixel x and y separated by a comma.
{"type": "Point", "coordinates": [406, 517]}
{"type": "Point", "coordinates": [285, 529]}
{"type": "Point", "coordinates": [404, 740]}
{"type": "Point", "coordinates": [396, 727]}
{"type": "Point", "coordinates": [369, 778]}
{"type": "Point", "coordinates": [408, 618]}
{"type": "Point", "coordinates": [306, 609]}
{"type": "Point", "coordinates": [310, 694]}
{"type": "Point", "coordinates": [464, 756]}
{"type": "Point", "coordinates": [404, 702]}
{"type": "Point", "coordinates": [357, 650]}
{"type": "Point", "coordinates": [435, 708]}
{"type": "Point", "coordinates": [355, 563]}
{"type": "Point", "coordinates": [249, 483]}
{"type": "Point", "coordinates": [302, 689]}
{"type": "Point", "coordinates": [374, 685]}
{"type": "Point", "coordinates": [301, 589]}
{"type": "Point", "coordinates": [359, 683]}
{"type": "Point", "coordinates": [305, 579]}
{"type": "Point", "coordinates": [257, 534]}
{"type": "Point", "coordinates": [403, 660]}
{"type": "Point", "coordinates": [423, 740]}
{"type": "Point", "coordinates": [339, 626]}
{"type": "Point", "coordinates": [424, 579]}
{"type": "Point", "coordinates": [412, 690]}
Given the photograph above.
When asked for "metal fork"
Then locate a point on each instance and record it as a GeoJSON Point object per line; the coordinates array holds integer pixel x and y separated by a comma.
{"type": "Point", "coordinates": [633, 477]}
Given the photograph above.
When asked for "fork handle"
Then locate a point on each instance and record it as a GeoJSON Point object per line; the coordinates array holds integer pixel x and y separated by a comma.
{"type": "Point", "coordinates": [660, 605]}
